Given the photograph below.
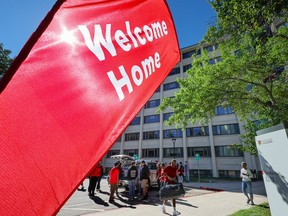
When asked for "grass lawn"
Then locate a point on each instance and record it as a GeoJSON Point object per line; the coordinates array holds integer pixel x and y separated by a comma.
{"type": "Point", "coordinates": [259, 210]}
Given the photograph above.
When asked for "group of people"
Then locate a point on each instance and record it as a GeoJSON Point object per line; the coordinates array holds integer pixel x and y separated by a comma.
{"type": "Point", "coordinates": [166, 174]}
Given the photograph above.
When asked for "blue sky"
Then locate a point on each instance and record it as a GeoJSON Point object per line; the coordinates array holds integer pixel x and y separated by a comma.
{"type": "Point", "coordinates": [20, 18]}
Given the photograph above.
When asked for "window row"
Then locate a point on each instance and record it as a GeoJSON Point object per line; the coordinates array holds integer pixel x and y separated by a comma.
{"type": "Point", "coordinates": [219, 110]}
{"type": "Point", "coordinates": [226, 129]}
{"type": "Point", "coordinates": [202, 151]}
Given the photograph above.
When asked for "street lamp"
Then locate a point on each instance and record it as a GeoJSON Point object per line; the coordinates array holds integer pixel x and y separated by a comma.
{"type": "Point", "coordinates": [174, 141]}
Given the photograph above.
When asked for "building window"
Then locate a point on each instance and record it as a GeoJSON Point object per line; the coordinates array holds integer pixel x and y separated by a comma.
{"type": "Point", "coordinates": [172, 133]}
{"type": "Point", "coordinates": [174, 71]}
{"type": "Point", "coordinates": [226, 129]}
{"type": "Point", "coordinates": [151, 135]}
{"type": "Point", "coordinates": [150, 152]}
{"type": "Point", "coordinates": [223, 110]}
{"type": "Point", "coordinates": [167, 115]}
{"type": "Point", "coordinates": [227, 151]}
{"type": "Point", "coordinates": [203, 173]}
{"type": "Point", "coordinates": [131, 152]}
{"type": "Point", "coordinates": [135, 121]}
{"type": "Point", "coordinates": [152, 103]}
{"type": "Point", "coordinates": [229, 173]}
{"type": "Point", "coordinates": [186, 67]}
{"type": "Point", "coordinates": [112, 152]}
{"type": "Point", "coordinates": [204, 151]}
{"type": "Point", "coordinates": [197, 131]}
{"type": "Point", "coordinates": [209, 48]}
{"type": "Point", "coordinates": [131, 136]}
{"type": "Point", "coordinates": [190, 53]}
{"type": "Point", "coordinates": [172, 85]}
{"type": "Point", "coordinates": [169, 152]}
{"type": "Point", "coordinates": [151, 118]}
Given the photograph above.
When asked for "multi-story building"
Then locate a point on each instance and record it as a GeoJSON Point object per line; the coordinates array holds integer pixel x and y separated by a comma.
{"type": "Point", "coordinates": [148, 137]}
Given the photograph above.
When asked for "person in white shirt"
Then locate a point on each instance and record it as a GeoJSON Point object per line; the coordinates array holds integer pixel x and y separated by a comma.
{"type": "Point", "coordinates": [246, 176]}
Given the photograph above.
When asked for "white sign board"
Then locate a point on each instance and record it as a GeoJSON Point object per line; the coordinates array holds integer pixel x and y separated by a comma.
{"type": "Point", "coordinates": [272, 145]}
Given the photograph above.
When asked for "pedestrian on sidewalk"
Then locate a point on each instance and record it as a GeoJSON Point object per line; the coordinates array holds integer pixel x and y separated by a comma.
{"type": "Point", "coordinates": [180, 172]}
{"type": "Point", "coordinates": [114, 181]}
{"type": "Point", "coordinates": [186, 171]}
{"type": "Point", "coordinates": [94, 176]}
{"type": "Point", "coordinates": [171, 174]}
{"type": "Point", "coordinates": [132, 174]}
{"type": "Point", "coordinates": [246, 176]}
{"type": "Point", "coordinates": [163, 178]}
{"type": "Point", "coordinates": [144, 177]}
{"type": "Point", "coordinates": [158, 174]}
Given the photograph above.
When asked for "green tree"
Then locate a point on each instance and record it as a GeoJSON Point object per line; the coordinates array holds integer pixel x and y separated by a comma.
{"type": "Point", "coordinates": [5, 60]}
{"type": "Point", "coordinates": [251, 76]}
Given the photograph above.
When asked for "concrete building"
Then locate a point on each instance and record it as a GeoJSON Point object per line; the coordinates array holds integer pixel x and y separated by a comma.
{"type": "Point", "coordinates": [148, 137]}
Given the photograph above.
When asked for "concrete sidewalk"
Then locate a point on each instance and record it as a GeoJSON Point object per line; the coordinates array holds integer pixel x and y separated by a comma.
{"type": "Point", "coordinates": [201, 199]}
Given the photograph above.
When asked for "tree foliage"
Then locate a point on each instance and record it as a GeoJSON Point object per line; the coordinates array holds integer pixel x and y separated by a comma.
{"type": "Point", "coordinates": [251, 76]}
{"type": "Point", "coordinates": [5, 60]}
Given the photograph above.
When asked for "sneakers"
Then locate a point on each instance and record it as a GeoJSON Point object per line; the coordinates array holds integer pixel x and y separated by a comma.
{"type": "Point", "coordinates": [163, 209]}
{"type": "Point", "coordinates": [175, 213]}
{"type": "Point", "coordinates": [248, 200]}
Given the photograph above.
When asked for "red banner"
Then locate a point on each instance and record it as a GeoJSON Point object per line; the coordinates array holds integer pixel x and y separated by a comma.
{"type": "Point", "coordinates": [76, 85]}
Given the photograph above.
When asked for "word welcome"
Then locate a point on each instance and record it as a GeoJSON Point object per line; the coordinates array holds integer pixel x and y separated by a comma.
{"type": "Point", "coordinates": [126, 40]}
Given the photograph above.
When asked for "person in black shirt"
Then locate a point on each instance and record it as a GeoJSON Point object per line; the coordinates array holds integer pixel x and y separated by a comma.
{"type": "Point", "coordinates": [144, 178]}
{"type": "Point", "coordinates": [132, 175]}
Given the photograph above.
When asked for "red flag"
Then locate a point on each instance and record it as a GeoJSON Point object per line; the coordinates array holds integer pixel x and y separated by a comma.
{"type": "Point", "coordinates": [76, 85]}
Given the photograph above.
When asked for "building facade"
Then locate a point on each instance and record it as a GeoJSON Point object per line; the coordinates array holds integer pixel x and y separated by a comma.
{"type": "Point", "coordinates": [205, 147]}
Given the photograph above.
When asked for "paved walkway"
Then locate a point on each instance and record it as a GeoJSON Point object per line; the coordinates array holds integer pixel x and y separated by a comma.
{"type": "Point", "coordinates": [217, 199]}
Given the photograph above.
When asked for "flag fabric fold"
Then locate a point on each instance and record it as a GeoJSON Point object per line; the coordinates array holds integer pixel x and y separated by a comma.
{"type": "Point", "coordinates": [84, 80]}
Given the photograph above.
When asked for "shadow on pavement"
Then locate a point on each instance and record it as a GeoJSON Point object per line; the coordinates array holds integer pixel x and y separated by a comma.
{"type": "Point", "coordinates": [184, 202]}
{"type": "Point", "coordinates": [99, 201]}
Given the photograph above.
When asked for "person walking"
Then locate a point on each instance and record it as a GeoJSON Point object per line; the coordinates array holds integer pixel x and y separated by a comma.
{"type": "Point", "coordinates": [94, 176]}
{"type": "Point", "coordinates": [171, 174]}
{"type": "Point", "coordinates": [144, 178]}
{"type": "Point", "coordinates": [180, 173]}
{"type": "Point", "coordinates": [114, 181]}
{"type": "Point", "coordinates": [163, 178]}
{"type": "Point", "coordinates": [246, 176]}
{"type": "Point", "coordinates": [132, 174]}
{"type": "Point", "coordinates": [186, 171]}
